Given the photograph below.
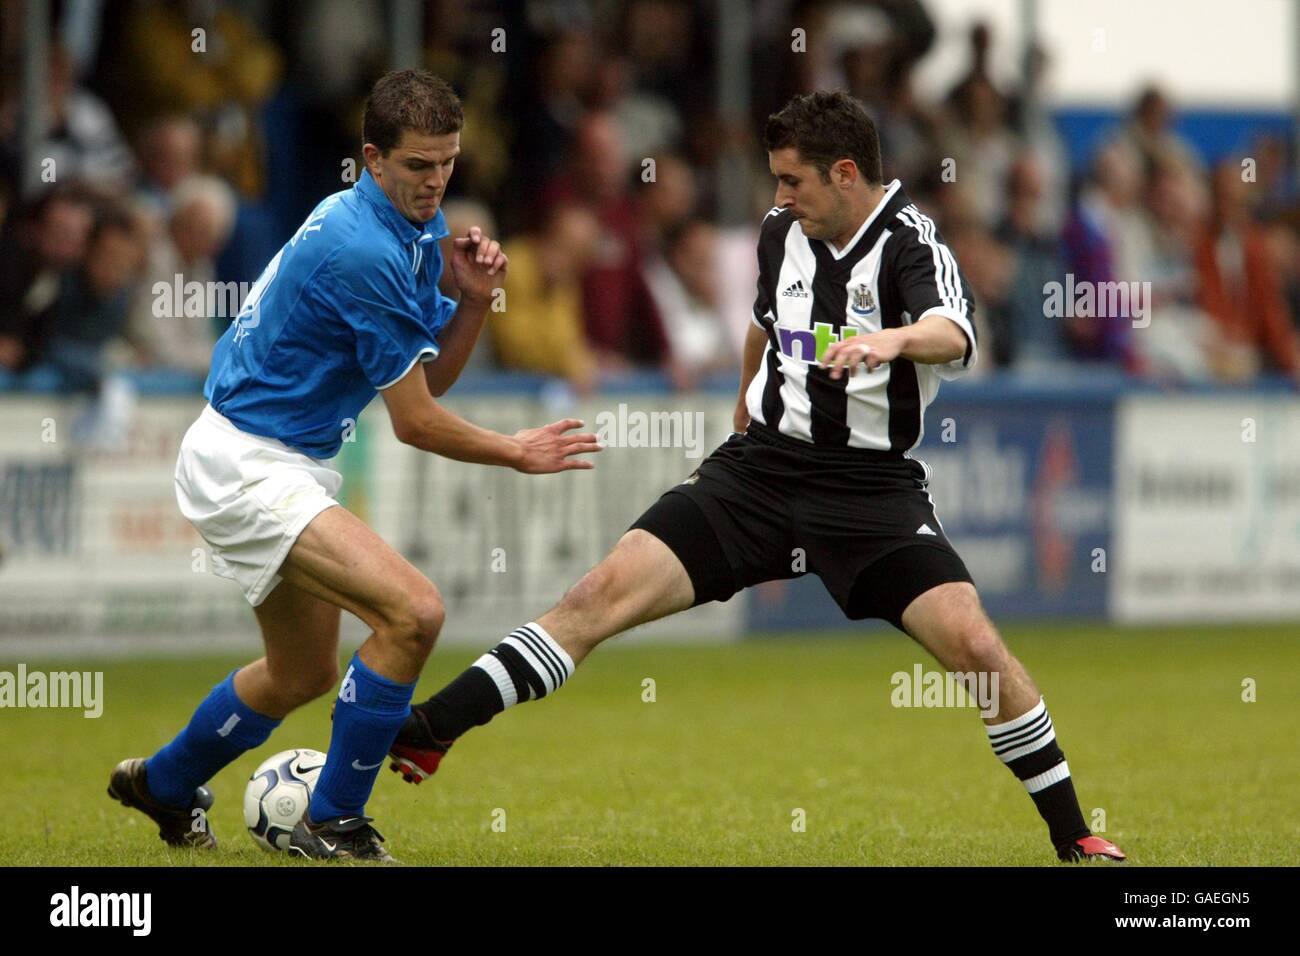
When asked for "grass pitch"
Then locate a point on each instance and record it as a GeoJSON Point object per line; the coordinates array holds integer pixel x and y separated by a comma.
{"type": "Point", "coordinates": [738, 739]}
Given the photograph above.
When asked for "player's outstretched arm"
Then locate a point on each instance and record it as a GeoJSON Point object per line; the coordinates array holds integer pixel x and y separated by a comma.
{"type": "Point", "coordinates": [934, 340]}
{"type": "Point", "coordinates": [420, 421]}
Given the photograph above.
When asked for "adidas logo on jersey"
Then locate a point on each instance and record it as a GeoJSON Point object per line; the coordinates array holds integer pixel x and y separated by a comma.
{"type": "Point", "coordinates": [796, 290]}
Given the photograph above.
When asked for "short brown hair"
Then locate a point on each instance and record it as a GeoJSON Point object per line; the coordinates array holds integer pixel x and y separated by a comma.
{"type": "Point", "coordinates": [409, 99]}
{"type": "Point", "coordinates": [825, 128]}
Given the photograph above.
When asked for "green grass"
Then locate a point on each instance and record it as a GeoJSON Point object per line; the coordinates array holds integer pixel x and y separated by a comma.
{"type": "Point", "coordinates": [1152, 722]}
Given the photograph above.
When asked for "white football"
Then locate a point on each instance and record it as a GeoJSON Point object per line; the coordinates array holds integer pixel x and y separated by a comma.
{"type": "Point", "coordinates": [278, 793]}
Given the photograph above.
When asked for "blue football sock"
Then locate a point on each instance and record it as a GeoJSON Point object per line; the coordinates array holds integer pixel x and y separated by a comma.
{"type": "Point", "coordinates": [222, 728]}
{"type": "Point", "coordinates": [370, 711]}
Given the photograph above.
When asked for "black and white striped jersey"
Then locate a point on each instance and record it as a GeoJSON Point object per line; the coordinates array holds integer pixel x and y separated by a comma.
{"type": "Point", "coordinates": [895, 271]}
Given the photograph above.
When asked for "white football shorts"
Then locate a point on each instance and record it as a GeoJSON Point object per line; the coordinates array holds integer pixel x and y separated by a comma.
{"type": "Point", "coordinates": [249, 497]}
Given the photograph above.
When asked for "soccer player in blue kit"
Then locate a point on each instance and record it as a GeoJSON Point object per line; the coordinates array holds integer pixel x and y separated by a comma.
{"type": "Point", "coordinates": [349, 307]}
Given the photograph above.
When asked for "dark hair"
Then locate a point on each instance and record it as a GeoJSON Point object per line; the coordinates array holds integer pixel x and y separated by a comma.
{"type": "Point", "coordinates": [825, 128]}
{"type": "Point", "coordinates": [409, 99]}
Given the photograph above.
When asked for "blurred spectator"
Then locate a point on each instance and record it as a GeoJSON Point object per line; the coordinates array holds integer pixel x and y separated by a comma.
{"type": "Point", "coordinates": [221, 76]}
{"type": "Point", "coordinates": [163, 327]}
{"type": "Point", "coordinates": [553, 106]}
{"type": "Point", "coordinates": [666, 202]}
{"type": "Point", "coordinates": [1032, 118]}
{"type": "Point", "coordinates": [1029, 337]}
{"type": "Point", "coordinates": [1238, 285]}
{"type": "Point", "coordinates": [1150, 135]}
{"type": "Point", "coordinates": [92, 310]}
{"type": "Point", "coordinates": [82, 137]}
{"type": "Point", "coordinates": [908, 129]}
{"type": "Point", "coordinates": [541, 329]}
{"type": "Point", "coordinates": [1180, 343]}
{"type": "Point", "coordinates": [1283, 242]}
{"type": "Point", "coordinates": [40, 248]}
{"type": "Point", "coordinates": [983, 144]}
{"type": "Point", "coordinates": [649, 123]}
{"type": "Point", "coordinates": [1273, 190]}
{"type": "Point", "coordinates": [978, 73]}
{"type": "Point", "coordinates": [619, 315]}
{"type": "Point", "coordinates": [170, 151]}
{"type": "Point", "coordinates": [684, 284]}
{"type": "Point", "coordinates": [1103, 242]}
{"type": "Point", "coordinates": [668, 50]}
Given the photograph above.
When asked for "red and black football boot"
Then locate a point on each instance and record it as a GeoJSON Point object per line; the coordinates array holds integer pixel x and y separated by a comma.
{"type": "Point", "coordinates": [1090, 848]}
{"type": "Point", "coordinates": [417, 752]}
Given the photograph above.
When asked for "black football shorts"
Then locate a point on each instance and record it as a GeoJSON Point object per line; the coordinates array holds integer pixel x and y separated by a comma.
{"type": "Point", "coordinates": [765, 507]}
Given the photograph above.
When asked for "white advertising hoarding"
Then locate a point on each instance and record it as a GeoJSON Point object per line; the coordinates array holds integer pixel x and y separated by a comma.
{"type": "Point", "coordinates": [1207, 523]}
{"type": "Point", "coordinates": [94, 545]}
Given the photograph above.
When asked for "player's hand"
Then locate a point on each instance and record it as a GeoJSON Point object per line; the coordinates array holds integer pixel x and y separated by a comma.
{"type": "Point", "coordinates": [873, 350]}
{"type": "Point", "coordinates": [548, 449]}
{"type": "Point", "coordinates": [478, 264]}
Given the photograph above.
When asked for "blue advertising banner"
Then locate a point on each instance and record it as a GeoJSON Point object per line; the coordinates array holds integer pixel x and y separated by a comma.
{"type": "Point", "coordinates": [1022, 484]}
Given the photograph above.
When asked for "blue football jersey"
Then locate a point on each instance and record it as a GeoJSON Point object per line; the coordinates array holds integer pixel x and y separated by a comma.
{"type": "Point", "coordinates": [346, 308]}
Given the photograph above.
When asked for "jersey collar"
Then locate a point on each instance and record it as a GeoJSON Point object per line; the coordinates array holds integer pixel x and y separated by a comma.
{"type": "Point", "coordinates": [406, 231]}
{"type": "Point", "coordinates": [867, 235]}
{"type": "Point", "coordinates": [866, 223]}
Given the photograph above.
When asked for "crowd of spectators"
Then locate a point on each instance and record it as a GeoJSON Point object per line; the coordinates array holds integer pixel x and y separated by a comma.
{"type": "Point", "coordinates": [185, 141]}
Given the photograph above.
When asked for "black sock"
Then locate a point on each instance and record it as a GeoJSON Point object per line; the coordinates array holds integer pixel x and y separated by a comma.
{"type": "Point", "coordinates": [526, 665]}
{"type": "Point", "coordinates": [1028, 746]}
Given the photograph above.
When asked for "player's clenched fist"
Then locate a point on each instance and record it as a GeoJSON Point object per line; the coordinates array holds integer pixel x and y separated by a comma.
{"type": "Point", "coordinates": [477, 263]}
{"type": "Point", "coordinates": [549, 449]}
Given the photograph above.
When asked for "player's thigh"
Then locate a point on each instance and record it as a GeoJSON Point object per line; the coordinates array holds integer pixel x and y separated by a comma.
{"type": "Point", "coordinates": [949, 622]}
{"type": "Point", "coordinates": [301, 635]}
{"type": "Point", "coordinates": [339, 559]}
{"type": "Point", "coordinates": [640, 580]}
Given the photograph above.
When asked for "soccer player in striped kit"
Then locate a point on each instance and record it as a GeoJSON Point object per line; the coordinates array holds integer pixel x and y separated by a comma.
{"type": "Point", "coordinates": [861, 311]}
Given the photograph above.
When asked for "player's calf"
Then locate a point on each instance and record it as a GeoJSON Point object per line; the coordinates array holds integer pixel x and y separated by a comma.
{"type": "Point", "coordinates": [640, 580]}
{"type": "Point", "coordinates": [949, 622]}
{"type": "Point", "coordinates": [373, 702]}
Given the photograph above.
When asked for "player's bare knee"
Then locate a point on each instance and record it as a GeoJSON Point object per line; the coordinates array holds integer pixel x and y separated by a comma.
{"type": "Point", "coordinates": [302, 683]}
{"type": "Point", "coordinates": [978, 647]}
{"type": "Point", "coordinates": [413, 628]}
{"type": "Point", "coordinates": [320, 682]}
{"type": "Point", "coordinates": [592, 594]}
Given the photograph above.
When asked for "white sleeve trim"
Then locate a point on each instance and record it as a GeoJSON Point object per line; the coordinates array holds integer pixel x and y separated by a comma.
{"type": "Point", "coordinates": [963, 323]}
{"type": "Point", "coordinates": [754, 318]}
{"type": "Point", "coordinates": [419, 357]}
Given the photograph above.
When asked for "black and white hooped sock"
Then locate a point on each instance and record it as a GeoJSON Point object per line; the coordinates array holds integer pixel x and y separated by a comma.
{"type": "Point", "coordinates": [1027, 744]}
{"type": "Point", "coordinates": [527, 665]}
